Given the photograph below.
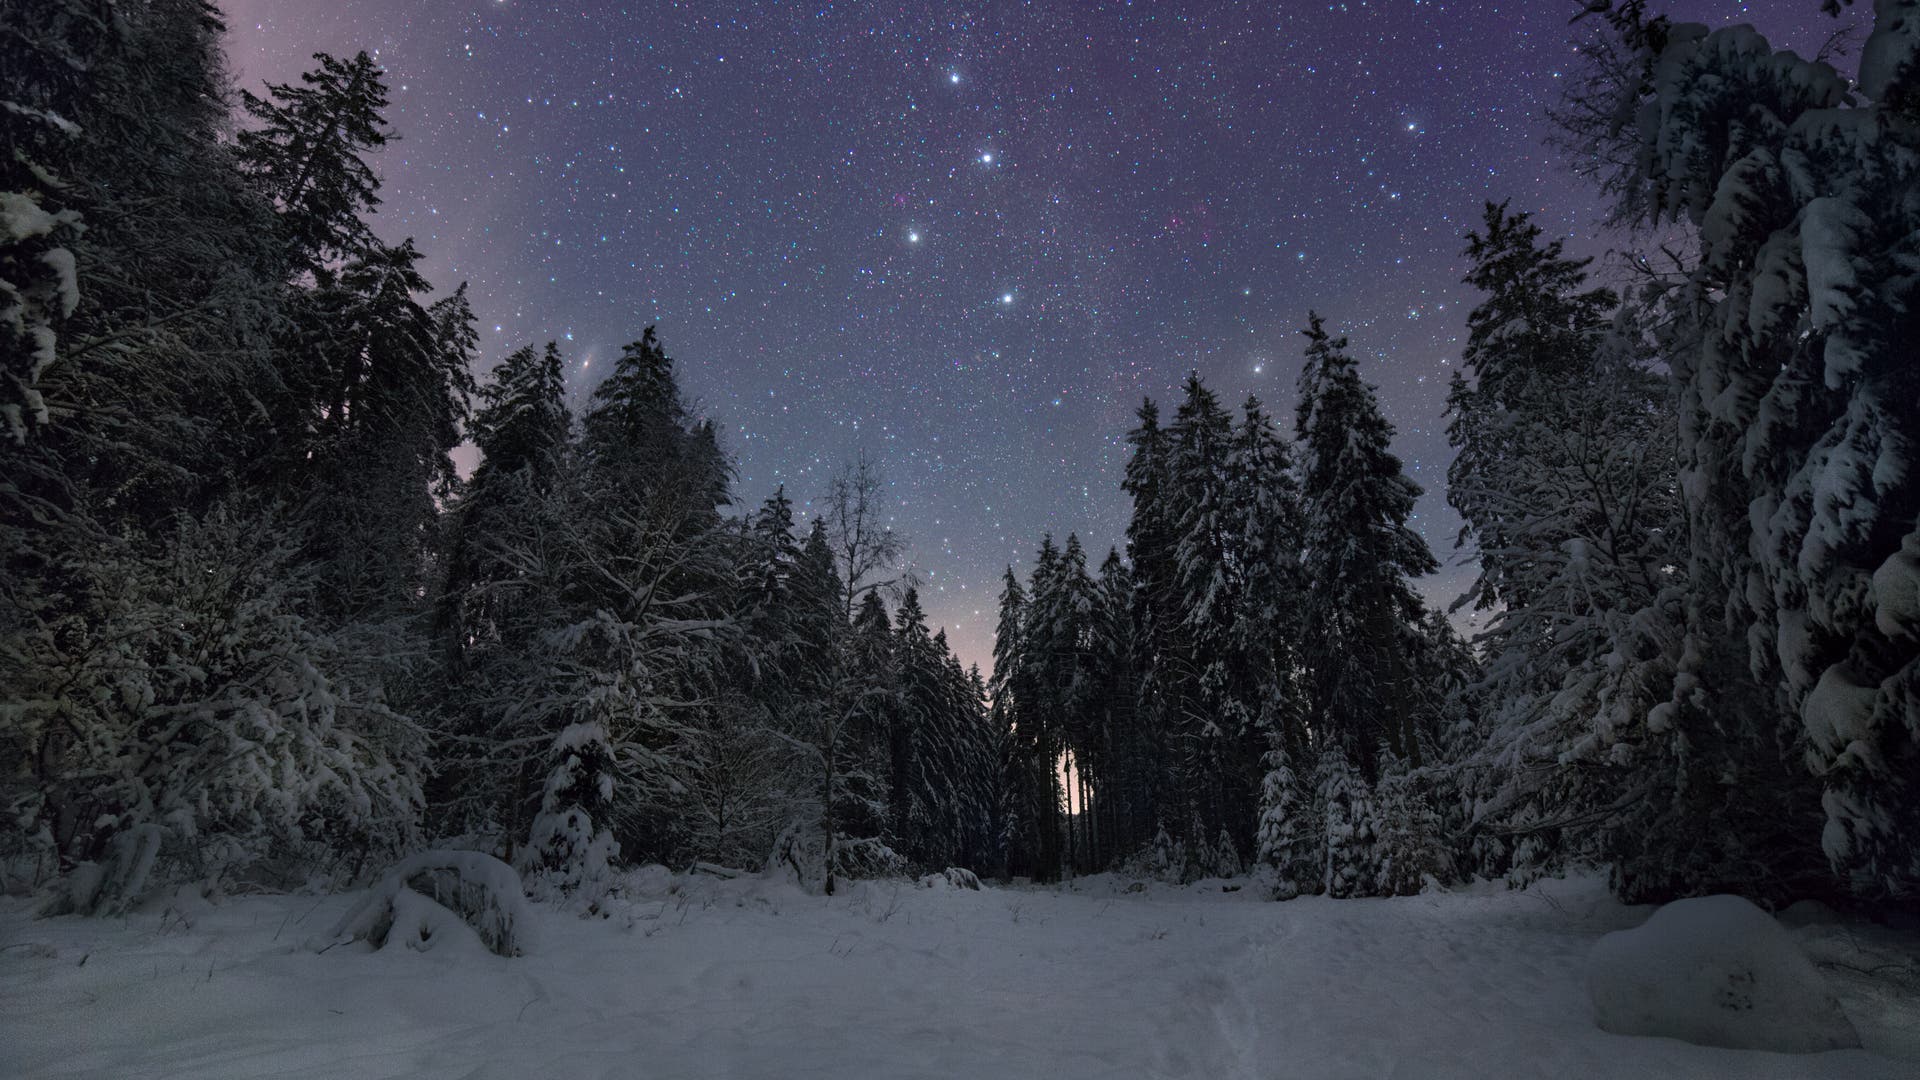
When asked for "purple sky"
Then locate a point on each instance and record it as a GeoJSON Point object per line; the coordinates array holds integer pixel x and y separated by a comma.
{"type": "Point", "coordinates": [968, 244]}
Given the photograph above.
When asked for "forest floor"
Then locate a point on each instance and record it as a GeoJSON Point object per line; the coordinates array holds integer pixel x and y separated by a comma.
{"type": "Point", "coordinates": [699, 977]}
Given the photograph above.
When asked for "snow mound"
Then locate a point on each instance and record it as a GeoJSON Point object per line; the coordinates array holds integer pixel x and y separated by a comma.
{"type": "Point", "coordinates": [953, 877]}
{"type": "Point", "coordinates": [1716, 971]}
{"type": "Point", "coordinates": [424, 895]}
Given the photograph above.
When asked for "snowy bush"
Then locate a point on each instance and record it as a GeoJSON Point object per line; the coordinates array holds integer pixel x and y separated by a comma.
{"type": "Point", "coordinates": [1163, 859]}
{"type": "Point", "coordinates": [1410, 850]}
{"type": "Point", "coordinates": [804, 854]}
{"type": "Point", "coordinates": [190, 695]}
{"type": "Point", "coordinates": [426, 895]}
{"type": "Point", "coordinates": [1349, 820]}
{"type": "Point", "coordinates": [571, 847]}
{"type": "Point", "coordinates": [1716, 971]}
{"type": "Point", "coordinates": [1291, 830]}
{"type": "Point", "coordinates": [111, 887]}
{"type": "Point", "coordinates": [953, 877]}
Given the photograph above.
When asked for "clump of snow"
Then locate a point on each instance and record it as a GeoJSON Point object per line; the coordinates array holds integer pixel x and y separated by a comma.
{"type": "Point", "coordinates": [1716, 971]}
{"type": "Point", "coordinates": [1896, 591]}
{"type": "Point", "coordinates": [1892, 51]}
{"type": "Point", "coordinates": [21, 217]}
{"type": "Point", "coordinates": [110, 888]}
{"type": "Point", "coordinates": [418, 897]}
{"type": "Point", "coordinates": [1805, 913]}
{"type": "Point", "coordinates": [1838, 714]}
{"type": "Point", "coordinates": [65, 276]}
{"type": "Point", "coordinates": [421, 924]}
{"type": "Point", "coordinates": [953, 877]}
{"type": "Point", "coordinates": [649, 882]}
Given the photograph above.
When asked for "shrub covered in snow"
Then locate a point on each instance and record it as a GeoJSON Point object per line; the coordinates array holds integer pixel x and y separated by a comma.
{"type": "Point", "coordinates": [1716, 971]}
{"type": "Point", "coordinates": [571, 846]}
{"type": "Point", "coordinates": [193, 722]}
{"type": "Point", "coordinates": [953, 877]}
{"type": "Point", "coordinates": [805, 853]}
{"type": "Point", "coordinates": [429, 894]}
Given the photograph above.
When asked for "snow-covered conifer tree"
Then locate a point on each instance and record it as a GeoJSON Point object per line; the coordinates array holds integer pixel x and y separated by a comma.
{"type": "Point", "coordinates": [1358, 558]}
{"type": "Point", "coordinates": [1791, 348]}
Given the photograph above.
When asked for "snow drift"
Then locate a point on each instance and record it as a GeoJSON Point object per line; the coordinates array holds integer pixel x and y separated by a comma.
{"type": "Point", "coordinates": [1716, 971]}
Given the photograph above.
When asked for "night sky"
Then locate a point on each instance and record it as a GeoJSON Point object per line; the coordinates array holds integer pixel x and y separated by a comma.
{"type": "Point", "coordinates": [969, 243]}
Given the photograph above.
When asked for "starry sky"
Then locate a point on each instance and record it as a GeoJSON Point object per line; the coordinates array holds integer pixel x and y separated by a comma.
{"type": "Point", "coordinates": [968, 240]}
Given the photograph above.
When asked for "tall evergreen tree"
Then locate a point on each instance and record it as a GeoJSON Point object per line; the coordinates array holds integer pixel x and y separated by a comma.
{"type": "Point", "coordinates": [1159, 656]}
{"type": "Point", "coordinates": [1358, 559]}
{"type": "Point", "coordinates": [1215, 720]}
{"type": "Point", "coordinates": [1790, 346]}
{"type": "Point", "coordinates": [1009, 688]}
{"type": "Point", "coordinates": [500, 594]}
{"type": "Point", "coordinates": [395, 386]}
{"type": "Point", "coordinates": [307, 153]}
{"type": "Point", "coordinates": [1565, 481]}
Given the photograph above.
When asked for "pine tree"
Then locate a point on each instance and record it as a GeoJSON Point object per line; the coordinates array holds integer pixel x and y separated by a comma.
{"type": "Point", "coordinates": [1531, 341]}
{"type": "Point", "coordinates": [571, 846]}
{"type": "Point", "coordinates": [1344, 801]}
{"type": "Point", "coordinates": [981, 795]}
{"type": "Point", "coordinates": [917, 752]}
{"type": "Point", "coordinates": [307, 152]}
{"type": "Point", "coordinates": [1009, 688]}
{"type": "Point", "coordinates": [1790, 347]}
{"type": "Point", "coordinates": [837, 712]}
{"type": "Point", "coordinates": [522, 424]}
{"type": "Point", "coordinates": [500, 594]}
{"type": "Point", "coordinates": [742, 786]}
{"type": "Point", "coordinates": [1115, 755]}
{"type": "Point", "coordinates": [1291, 835]}
{"type": "Point", "coordinates": [394, 390]}
{"type": "Point", "coordinates": [1216, 720]}
{"type": "Point", "coordinates": [876, 736]}
{"type": "Point", "coordinates": [1159, 657]}
{"type": "Point", "coordinates": [1358, 558]}
{"type": "Point", "coordinates": [1565, 480]}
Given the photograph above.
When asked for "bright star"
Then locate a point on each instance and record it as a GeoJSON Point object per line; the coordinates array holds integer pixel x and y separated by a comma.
{"type": "Point", "coordinates": [1006, 298]}
{"type": "Point", "coordinates": [986, 158]}
{"type": "Point", "coordinates": [953, 77]}
{"type": "Point", "coordinates": [913, 238]}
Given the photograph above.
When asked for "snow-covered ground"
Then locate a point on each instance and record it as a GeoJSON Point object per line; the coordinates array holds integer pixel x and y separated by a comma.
{"type": "Point", "coordinates": [752, 978]}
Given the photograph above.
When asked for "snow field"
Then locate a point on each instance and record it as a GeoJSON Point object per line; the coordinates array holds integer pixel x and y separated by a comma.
{"type": "Point", "coordinates": [699, 977]}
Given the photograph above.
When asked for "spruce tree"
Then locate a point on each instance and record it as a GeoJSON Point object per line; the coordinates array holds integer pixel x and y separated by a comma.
{"type": "Point", "coordinates": [1565, 482]}
{"type": "Point", "coordinates": [1790, 347]}
{"type": "Point", "coordinates": [1159, 655]}
{"type": "Point", "coordinates": [1215, 721]}
{"type": "Point", "coordinates": [307, 154]}
{"type": "Point", "coordinates": [1009, 688]}
{"type": "Point", "coordinates": [1358, 559]}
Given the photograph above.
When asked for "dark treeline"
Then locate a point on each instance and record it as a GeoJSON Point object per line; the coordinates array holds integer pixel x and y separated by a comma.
{"type": "Point", "coordinates": [255, 628]}
{"type": "Point", "coordinates": [1692, 502]}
